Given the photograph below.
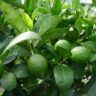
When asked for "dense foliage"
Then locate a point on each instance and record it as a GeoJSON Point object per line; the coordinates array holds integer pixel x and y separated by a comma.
{"type": "Point", "coordinates": [47, 48]}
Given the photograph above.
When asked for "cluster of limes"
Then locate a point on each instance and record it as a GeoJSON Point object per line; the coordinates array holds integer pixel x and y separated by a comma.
{"type": "Point", "coordinates": [38, 65]}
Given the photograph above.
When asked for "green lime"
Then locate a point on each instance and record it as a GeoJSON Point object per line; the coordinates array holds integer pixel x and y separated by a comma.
{"type": "Point", "coordinates": [80, 54]}
{"type": "Point", "coordinates": [1, 68]}
{"type": "Point", "coordinates": [37, 64]}
{"type": "Point", "coordinates": [8, 81]}
{"type": "Point", "coordinates": [63, 47]}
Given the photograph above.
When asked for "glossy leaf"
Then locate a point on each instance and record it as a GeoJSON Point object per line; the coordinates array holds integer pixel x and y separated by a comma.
{"type": "Point", "coordinates": [45, 23]}
{"type": "Point", "coordinates": [63, 77]}
{"type": "Point", "coordinates": [13, 18]}
{"type": "Point", "coordinates": [57, 7]}
{"type": "Point", "coordinates": [27, 20]}
{"type": "Point", "coordinates": [20, 71]}
{"type": "Point", "coordinates": [20, 38]}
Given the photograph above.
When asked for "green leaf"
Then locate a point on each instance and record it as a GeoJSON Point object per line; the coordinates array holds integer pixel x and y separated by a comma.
{"type": "Point", "coordinates": [79, 24]}
{"type": "Point", "coordinates": [15, 3]}
{"type": "Point", "coordinates": [52, 92]}
{"type": "Point", "coordinates": [34, 14]}
{"type": "Point", "coordinates": [52, 34]}
{"type": "Point", "coordinates": [16, 92]}
{"type": "Point", "coordinates": [27, 20]}
{"type": "Point", "coordinates": [63, 77]}
{"type": "Point", "coordinates": [13, 18]}
{"type": "Point", "coordinates": [90, 45]}
{"type": "Point", "coordinates": [43, 10]}
{"type": "Point", "coordinates": [57, 7]}
{"type": "Point", "coordinates": [9, 58]}
{"type": "Point", "coordinates": [8, 93]}
{"type": "Point", "coordinates": [90, 88]}
{"type": "Point", "coordinates": [75, 4]}
{"type": "Point", "coordinates": [21, 51]}
{"type": "Point", "coordinates": [45, 23]}
{"type": "Point", "coordinates": [8, 81]}
{"type": "Point", "coordinates": [39, 22]}
{"type": "Point", "coordinates": [20, 71]}
{"type": "Point", "coordinates": [80, 72]}
{"type": "Point", "coordinates": [94, 2]}
{"type": "Point", "coordinates": [92, 37]}
{"type": "Point", "coordinates": [20, 38]}
{"type": "Point", "coordinates": [32, 5]}
{"type": "Point", "coordinates": [4, 41]}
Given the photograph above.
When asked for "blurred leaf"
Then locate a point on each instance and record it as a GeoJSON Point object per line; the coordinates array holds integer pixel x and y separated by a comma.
{"type": "Point", "coordinates": [94, 2]}
{"type": "Point", "coordinates": [20, 71]}
{"type": "Point", "coordinates": [78, 70]}
{"type": "Point", "coordinates": [57, 7]}
{"type": "Point", "coordinates": [89, 85]}
{"type": "Point", "coordinates": [18, 50]}
{"type": "Point", "coordinates": [52, 92]}
{"type": "Point", "coordinates": [90, 45]}
{"type": "Point", "coordinates": [9, 58]}
{"type": "Point", "coordinates": [92, 37]}
{"type": "Point", "coordinates": [34, 14]}
{"type": "Point", "coordinates": [20, 38]}
{"type": "Point", "coordinates": [43, 10]}
{"type": "Point", "coordinates": [27, 20]}
{"type": "Point", "coordinates": [32, 5]}
{"type": "Point", "coordinates": [75, 4]}
{"type": "Point", "coordinates": [16, 92]}
{"type": "Point", "coordinates": [15, 3]}
{"type": "Point", "coordinates": [8, 93]}
{"type": "Point", "coordinates": [79, 24]}
{"type": "Point", "coordinates": [71, 36]}
{"type": "Point", "coordinates": [88, 31]}
{"type": "Point", "coordinates": [13, 17]}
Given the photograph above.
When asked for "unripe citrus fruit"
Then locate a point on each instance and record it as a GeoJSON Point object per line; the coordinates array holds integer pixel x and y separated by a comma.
{"type": "Point", "coordinates": [8, 81]}
{"type": "Point", "coordinates": [80, 54]}
{"type": "Point", "coordinates": [63, 47]}
{"type": "Point", "coordinates": [37, 64]}
{"type": "Point", "coordinates": [1, 68]}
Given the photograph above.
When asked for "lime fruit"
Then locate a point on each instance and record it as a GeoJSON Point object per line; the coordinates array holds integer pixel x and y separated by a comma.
{"type": "Point", "coordinates": [8, 81]}
{"type": "Point", "coordinates": [63, 47]}
{"type": "Point", "coordinates": [37, 64]}
{"type": "Point", "coordinates": [1, 68]}
{"type": "Point", "coordinates": [80, 54]}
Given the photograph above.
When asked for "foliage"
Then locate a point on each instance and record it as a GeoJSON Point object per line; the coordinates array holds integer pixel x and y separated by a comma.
{"type": "Point", "coordinates": [39, 53]}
